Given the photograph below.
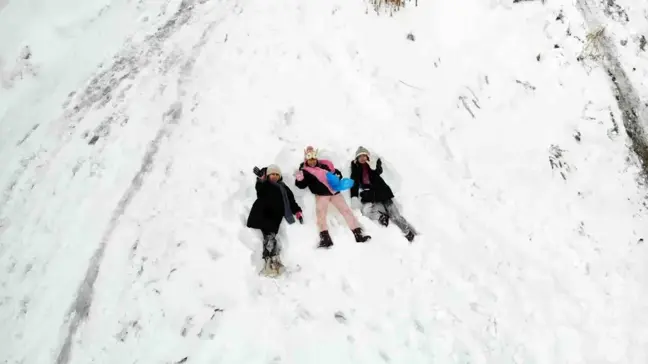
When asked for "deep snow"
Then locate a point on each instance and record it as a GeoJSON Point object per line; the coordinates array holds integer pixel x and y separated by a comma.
{"type": "Point", "coordinates": [128, 137]}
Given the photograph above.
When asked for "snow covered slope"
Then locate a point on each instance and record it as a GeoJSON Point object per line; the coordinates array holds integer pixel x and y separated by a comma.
{"type": "Point", "coordinates": [128, 133]}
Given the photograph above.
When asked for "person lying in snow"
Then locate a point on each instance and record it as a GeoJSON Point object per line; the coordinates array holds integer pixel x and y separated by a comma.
{"type": "Point", "coordinates": [376, 196]}
{"type": "Point", "coordinates": [275, 201]}
{"type": "Point", "coordinates": [312, 173]}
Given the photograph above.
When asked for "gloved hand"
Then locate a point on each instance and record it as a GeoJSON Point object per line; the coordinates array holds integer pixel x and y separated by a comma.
{"type": "Point", "coordinates": [257, 172]}
{"type": "Point", "coordinates": [299, 175]}
{"type": "Point", "coordinates": [299, 217]}
{"type": "Point", "coordinates": [355, 203]}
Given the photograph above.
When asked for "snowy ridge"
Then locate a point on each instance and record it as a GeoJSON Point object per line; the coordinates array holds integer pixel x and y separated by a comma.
{"type": "Point", "coordinates": [126, 182]}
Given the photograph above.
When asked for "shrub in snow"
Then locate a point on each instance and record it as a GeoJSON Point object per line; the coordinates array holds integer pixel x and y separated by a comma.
{"type": "Point", "coordinates": [390, 5]}
{"type": "Point", "coordinates": [593, 48]}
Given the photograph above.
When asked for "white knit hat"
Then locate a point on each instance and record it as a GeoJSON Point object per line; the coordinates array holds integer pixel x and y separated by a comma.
{"type": "Point", "coordinates": [273, 168]}
{"type": "Point", "coordinates": [362, 151]}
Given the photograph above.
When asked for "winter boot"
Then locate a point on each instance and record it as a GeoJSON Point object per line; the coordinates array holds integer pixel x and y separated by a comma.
{"type": "Point", "coordinates": [410, 236]}
{"type": "Point", "coordinates": [272, 267]}
{"type": "Point", "coordinates": [267, 267]}
{"type": "Point", "coordinates": [325, 239]}
{"type": "Point", "coordinates": [384, 220]}
{"type": "Point", "coordinates": [359, 237]}
{"type": "Point", "coordinates": [276, 265]}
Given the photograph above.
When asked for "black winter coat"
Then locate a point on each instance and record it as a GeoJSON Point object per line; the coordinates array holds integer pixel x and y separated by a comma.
{"type": "Point", "coordinates": [314, 184]}
{"type": "Point", "coordinates": [377, 191]}
{"type": "Point", "coordinates": [268, 210]}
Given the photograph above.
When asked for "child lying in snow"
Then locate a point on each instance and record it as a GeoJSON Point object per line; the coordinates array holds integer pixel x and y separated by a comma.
{"type": "Point", "coordinates": [313, 174]}
{"type": "Point", "coordinates": [376, 196]}
{"type": "Point", "coordinates": [275, 201]}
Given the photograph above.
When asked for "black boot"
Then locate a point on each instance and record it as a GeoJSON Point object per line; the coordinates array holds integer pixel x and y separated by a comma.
{"type": "Point", "coordinates": [325, 239]}
{"type": "Point", "coordinates": [410, 236]}
{"type": "Point", "coordinates": [384, 220]}
{"type": "Point", "coordinates": [359, 237]}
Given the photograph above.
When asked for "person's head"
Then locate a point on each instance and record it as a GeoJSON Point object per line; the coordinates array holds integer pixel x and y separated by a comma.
{"type": "Point", "coordinates": [362, 154]}
{"type": "Point", "coordinates": [273, 172]}
{"type": "Point", "coordinates": [310, 156]}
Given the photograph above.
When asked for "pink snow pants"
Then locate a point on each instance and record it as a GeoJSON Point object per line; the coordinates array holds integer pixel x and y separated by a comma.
{"type": "Point", "coordinates": [321, 209]}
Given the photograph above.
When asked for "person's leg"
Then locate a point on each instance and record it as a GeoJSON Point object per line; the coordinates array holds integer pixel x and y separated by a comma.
{"type": "Point", "coordinates": [321, 210]}
{"type": "Point", "coordinates": [273, 265]}
{"type": "Point", "coordinates": [399, 220]}
{"type": "Point", "coordinates": [375, 211]}
{"type": "Point", "coordinates": [270, 247]}
{"type": "Point", "coordinates": [341, 205]}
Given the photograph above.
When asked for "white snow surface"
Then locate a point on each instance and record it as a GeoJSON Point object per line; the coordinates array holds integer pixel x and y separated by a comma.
{"type": "Point", "coordinates": [129, 134]}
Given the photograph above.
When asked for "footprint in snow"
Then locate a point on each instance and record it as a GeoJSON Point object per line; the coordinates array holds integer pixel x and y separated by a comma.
{"type": "Point", "coordinates": [339, 316]}
{"type": "Point", "coordinates": [384, 356]}
{"type": "Point", "coordinates": [346, 288]}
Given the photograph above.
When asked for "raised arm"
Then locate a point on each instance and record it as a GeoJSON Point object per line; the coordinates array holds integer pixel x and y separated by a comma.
{"type": "Point", "coordinates": [261, 187]}
{"type": "Point", "coordinates": [300, 179]}
{"type": "Point", "coordinates": [260, 184]}
{"type": "Point", "coordinates": [379, 169]}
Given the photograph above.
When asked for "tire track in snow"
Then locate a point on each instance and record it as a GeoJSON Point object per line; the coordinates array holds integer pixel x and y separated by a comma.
{"type": "Point", "coordinates": [80, 308]}
{"type": "Point", "coordinates": [100, 92]}
{"type": "Point", "coordinates": [27, 135]}
{"type": "Point", "coordinates": [10, 189]}
{"type": "Point", "coordinates": [108, 85]}
{"type": "Point", "coordinates": [627, 97]}
{"type": "Point", "coordinates": [128, 64]}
